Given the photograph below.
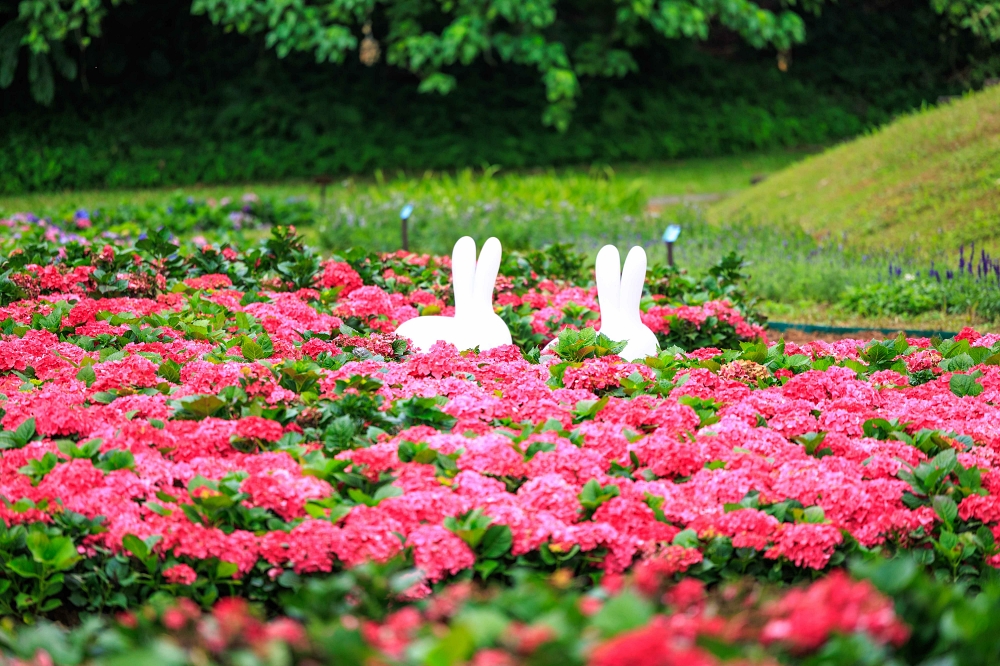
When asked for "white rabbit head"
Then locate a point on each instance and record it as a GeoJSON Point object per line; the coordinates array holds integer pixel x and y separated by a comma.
{"type": "Point", "coordinates": [619, 292]}
{"type": "Point", "coordinates": [475, 324]}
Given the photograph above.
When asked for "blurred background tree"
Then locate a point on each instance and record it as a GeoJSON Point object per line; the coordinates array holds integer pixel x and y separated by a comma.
{"type": "Point", "coordinates": [146, 93]}
{"type": "Point", "coordinates": [44, 28]}
{"type": "Point", "coordinates": [562, 41]}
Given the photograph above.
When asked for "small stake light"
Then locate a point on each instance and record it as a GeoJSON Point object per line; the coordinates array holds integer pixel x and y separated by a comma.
{"type": "Point", "coordinates": [669, 238]}
{"type": "Point", "coordinates": [404, 217]}
{"type": "Point", "coordinates": [322, 180]}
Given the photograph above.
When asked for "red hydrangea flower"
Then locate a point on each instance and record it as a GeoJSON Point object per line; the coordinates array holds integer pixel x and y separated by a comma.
{"type": "Point", "coordinates": [339, 274]}
{"type": "Point", "coordinates": [255, 427]}
{"type": "Point", "coordinates": [438, 552]}
{"type": "Point", "coordinates": [180, 574]}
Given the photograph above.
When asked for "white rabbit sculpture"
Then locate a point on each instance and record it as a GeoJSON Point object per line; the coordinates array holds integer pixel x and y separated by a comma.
{"type": "Point", "coordinates": [475, 323]}
{"type": "Point", "coordinates": [619, 292]}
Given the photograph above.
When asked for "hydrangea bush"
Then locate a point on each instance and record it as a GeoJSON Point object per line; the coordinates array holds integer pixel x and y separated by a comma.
{"type": "Point", "coordinates": [203, 430]}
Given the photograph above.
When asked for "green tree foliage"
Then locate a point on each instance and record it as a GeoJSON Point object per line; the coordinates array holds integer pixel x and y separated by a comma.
{"type": "Point", "coordinates": [562, 41]}
{"type": "Point", "coordinates": [980, 17]}
{"type": "Point", "coordinates": [42, 27]}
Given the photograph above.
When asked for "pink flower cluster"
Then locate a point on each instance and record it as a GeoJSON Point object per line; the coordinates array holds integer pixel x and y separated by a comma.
{"type": "Point", "coordinates": [522, 453]}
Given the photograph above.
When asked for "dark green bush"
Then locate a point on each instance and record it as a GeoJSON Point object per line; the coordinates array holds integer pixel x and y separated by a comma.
{"type": "Point", "coordinates": [170, 100]}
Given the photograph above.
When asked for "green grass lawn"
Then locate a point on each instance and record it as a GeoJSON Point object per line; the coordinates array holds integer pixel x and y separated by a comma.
{"type": "Point", "coordinates": [709, 175]}
{"type": "Point", "coordinates": [628, 183]}
{"type": "Point", "coordinates": [923, 185]}
{"type": "Point", "coordinates": [800, 277]}
{"type": "Point", "coordinates": [585, 206]}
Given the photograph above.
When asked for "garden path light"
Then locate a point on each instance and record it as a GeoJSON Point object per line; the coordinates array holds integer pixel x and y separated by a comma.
{"type": "Point", "coordinates": [404, 219]}
{"type": "Point", "coordinates": [670, 236]}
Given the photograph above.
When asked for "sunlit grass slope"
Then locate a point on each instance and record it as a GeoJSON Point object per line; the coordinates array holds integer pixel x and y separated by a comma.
{"type": "Point", "coordinates": [924, 184]}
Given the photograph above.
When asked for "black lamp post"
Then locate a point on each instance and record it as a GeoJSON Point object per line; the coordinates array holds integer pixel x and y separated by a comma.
{"type": "Point", "coordinates": [323, 181]}
{"type": "Point", "coordinates": [404, 217]}
{"type": "Point", "coordinates": [669, 238]}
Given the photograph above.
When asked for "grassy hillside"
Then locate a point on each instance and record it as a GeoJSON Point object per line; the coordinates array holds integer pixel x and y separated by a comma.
{"type": "Point", "coordinates": [924, 184]}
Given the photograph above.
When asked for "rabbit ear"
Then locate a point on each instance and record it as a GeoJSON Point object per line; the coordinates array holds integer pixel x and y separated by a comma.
{"type": "Point", "coordinates": [633, 277]}
{"type": "Point", "coordinates": [463, 272]}
{"type": "Point", "coordinates": [608, 269]}
{"type": "Point", "coordinates": [486, 273]}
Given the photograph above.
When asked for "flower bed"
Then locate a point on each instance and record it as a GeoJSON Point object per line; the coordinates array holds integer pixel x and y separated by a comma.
{"type": "Point", "coordinates": [179, 215]}
{"type": "Point", "coordinates": [245, 424]}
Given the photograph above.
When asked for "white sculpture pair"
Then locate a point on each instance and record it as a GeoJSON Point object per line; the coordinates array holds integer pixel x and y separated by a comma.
{"type": "Point", "coordinates": [476, 324]}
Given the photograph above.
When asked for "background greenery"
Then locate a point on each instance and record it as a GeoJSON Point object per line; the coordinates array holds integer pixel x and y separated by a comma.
{"type": "Point", "coordinates": [797, 276]}
{"type": "Point", "coordinates": [164, 97]}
